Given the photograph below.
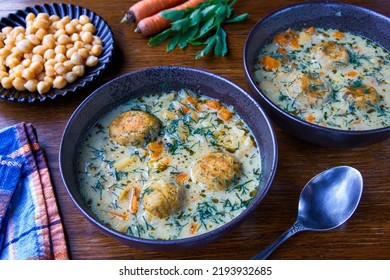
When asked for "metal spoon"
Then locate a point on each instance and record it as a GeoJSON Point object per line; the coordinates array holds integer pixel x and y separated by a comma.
{"type": "Point", "coordinates": [326, 202]}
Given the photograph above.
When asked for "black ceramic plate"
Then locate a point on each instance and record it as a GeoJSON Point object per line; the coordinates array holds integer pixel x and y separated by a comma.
{"type": "Point", "coordinates": [91, 73]}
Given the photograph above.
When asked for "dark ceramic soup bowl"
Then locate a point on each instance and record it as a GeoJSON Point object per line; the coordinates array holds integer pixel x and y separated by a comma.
{"type": "Point", "coordinates": [156, 80]}
{"type": "Point", "coordinates": [345, 17]}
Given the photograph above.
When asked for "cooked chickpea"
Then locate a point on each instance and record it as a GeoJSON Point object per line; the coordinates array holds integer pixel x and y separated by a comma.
{"type": "Point", "coordinates": [42, 16]}
{"type": "Point", "coordinates": [24, 45]}
{"type": "Point", "coordinates": [65, 19]}
{"type": "Point", "coordinates": [63, 39]}
{"type": "Point", "coordinates": [88, 46]}
{"type": "Point", "coordinates": [79, 27]}
{"type": "Point", "coordinates": [84, 19]}
{"type": "Point", "coordinates": [37, 58]}
{"type": "Point", "coordinates": [83, 52]}
{"type": "Point", "coordinates": [74, 22]}
{"type": "Point", "coordinates": [48, 41]}
{"type": "Point", "coordinates": [60, 57]}
{"type": "Point", "coordinates": [9, 42]}
{"type": "Point", "coordinates": [6, 30]}
{"type": "Point", "coordinates": [50, 71]}
{"type": "Point", "coordinates": [70, 77]}
{"type": "Point", "coordinates": [60, 49]}
{"type": "Point", "coordinates": [79, 70]}
{"type": "Point", "coordinates": [43, 87]}
{"type": "Point", "coordinates": [28, 74]}
{"type": "Point", "coordinates": [97, 50]}
{"type": "Point", "coordinates": [78, 44]}
{"type": "Point", "coordinates": [3, 74]}
{"type": "Point", "coordinates": [86, 37]}
{"type": "Point", "coordinates": [6, 82]}
{"type": "Point", "coordinates": [50, 62]}
{"type": "Point", "coordinates": [40, 49]}
{"type": "Point", "coordinates": [54, 18]}
{"type": "Point", "coordinates": [31, 85]}
{"type": "Point", "coordinates": [19, 37]}
{"type": "Point", "coordinates": [75, 37]}
{"type": "Point", "coordinates": [41, 33]}
{"type": "Point", "coordinates": [4, 52]}
{"type": "Point", "coordinates": [49, 80]}
{"type": "Point", "coordinates": [41, 23]}
{"type": "Point", "coordinates": [89, 27]}
{"type": "Point", "coordinates": [36, 66]}
{"type": "Point", "coordinates": [91, 61]}
{"type": "Point", "coordinates": [30, 17]}
{"type": "Point", "coordinates": [12, 61]}
{"type": "Point", "coordinates": [60, 68]}
{"type": "Point", "coordinates": [58, 25]}
{"type": "Point", "coordinates": [17, 73]}
{"type": "Point", "coordinates": [33, 39]}
{"type": "Point", "coordinates": [17, 52]}
{"type": "Point", "coordinates": [68, 65]}
{"type": "Point", "coordinates": [76, 59]}
{"type": "Point", "coordinates": [49, 53]}
{"type": "Point", "coordinates": [59, 82]}
{"type": "Point", "coordinates": [70, 28]}
{"type": "Point", "coordinates": [70, 51]}
{"type": "Point", "coordinates": [31, 30]}
{"type": "Point", "coordinates": [26, 62]}
{"type": "Point", "coordinates": [18, 84]}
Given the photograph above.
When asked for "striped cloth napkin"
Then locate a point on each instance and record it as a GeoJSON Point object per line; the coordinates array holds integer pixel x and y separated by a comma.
{"type": "Point", "coordinates": [30, 225]}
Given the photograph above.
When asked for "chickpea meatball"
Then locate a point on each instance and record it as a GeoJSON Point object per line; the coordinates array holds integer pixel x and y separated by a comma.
{"type": "Point", "coordinates": [216, 170]}
{"type": "Point", "coordinates": [330, 55]}
{"type": "Point", "coordinates": [161, 198]}
{"type": "Point", "coordinates": [308, 89]}
{"type": "Point", "coordinates": [361, 95]}
{"type": "Point", "coordinates": [135, 128]}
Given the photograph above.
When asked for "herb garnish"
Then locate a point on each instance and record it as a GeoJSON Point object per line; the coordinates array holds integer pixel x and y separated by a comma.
{"type": "Point", "coordinates": [199, 26]}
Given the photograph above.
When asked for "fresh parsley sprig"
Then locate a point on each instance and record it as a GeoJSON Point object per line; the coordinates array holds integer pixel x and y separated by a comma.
{"type": "Point", "coordinates": [199, 26]}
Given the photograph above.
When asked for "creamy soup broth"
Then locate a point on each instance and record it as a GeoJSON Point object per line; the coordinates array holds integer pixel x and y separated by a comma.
{"type": "Point", "coordinates": [114, 178]}
{"type": "Point", "coordinates": [327, 77]}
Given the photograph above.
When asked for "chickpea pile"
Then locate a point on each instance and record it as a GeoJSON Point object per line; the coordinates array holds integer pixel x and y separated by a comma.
{"type": "Point", "coordinates": [50, 52]}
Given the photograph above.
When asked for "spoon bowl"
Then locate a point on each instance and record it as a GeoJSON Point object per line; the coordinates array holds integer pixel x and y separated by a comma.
{"type": "Point", "coordinates": [327, 201]}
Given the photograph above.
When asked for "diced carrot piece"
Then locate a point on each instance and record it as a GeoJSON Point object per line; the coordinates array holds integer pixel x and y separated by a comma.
{"type": "Point", "coordinates": [213, 104]}
{"type": "Point", "coordinates": [191, 100]}
{"type": "Point", "coordinates": [270, 63]}
{"type": "Point", "coordinates": [351, 74]}
{"type": "Point", "coordinates": [310, 118]}
{"type": "Point", "coordinates": [338, 34]}
{"type": "Point", "coordinates": [134, 200]}
{"type": "Point", "coordinates": [282, 51]}
{"type": "Point", "coordinates": [155, 149]}
{"type": "Point", "coordinates": [280, 40]}
{"type": "Point", "coordinates": [355, 122]}
{"type": "Point", "coordinates": [185, 110]}
{"type": "Point", "coordinates": [182, 178]}
{"type": "Point", "coordinates": [199, 107]}
{"type": "Point", "coordinates": [225, 114]}
{"type": "Point", "coordinates": [122, 216]}
{"type": "Point", "coordinates": [193, 228]}
{"type": "Point", "coordinates": [294, 43]}
{"type": "Point", "coordinates": [311, 30]}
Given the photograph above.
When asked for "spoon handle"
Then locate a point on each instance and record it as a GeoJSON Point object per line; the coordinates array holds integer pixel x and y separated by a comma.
{"type": "Point", "coordinates": [297, 227]}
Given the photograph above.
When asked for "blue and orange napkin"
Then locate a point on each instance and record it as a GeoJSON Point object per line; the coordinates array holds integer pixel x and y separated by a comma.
{"type": "Point", "coordinates": [30, 225]}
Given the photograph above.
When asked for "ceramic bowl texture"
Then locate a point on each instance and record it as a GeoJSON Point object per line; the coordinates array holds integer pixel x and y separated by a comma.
{"type": "Point", "coordinates": [345, 17]}
{"type": "Point", "coordinates": [155, 80]}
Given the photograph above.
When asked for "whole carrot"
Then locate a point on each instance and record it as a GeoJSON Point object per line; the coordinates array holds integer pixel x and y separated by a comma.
{"type": "Point", "coordinates": [156, 23]}
{"type": "Point", "coordinates": [146, 8]}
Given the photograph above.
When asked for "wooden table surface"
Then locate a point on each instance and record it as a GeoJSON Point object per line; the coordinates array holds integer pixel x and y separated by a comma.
{"type": "Point", "coordinates": [365, 236]}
